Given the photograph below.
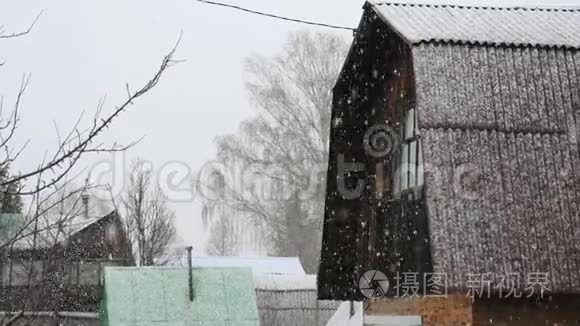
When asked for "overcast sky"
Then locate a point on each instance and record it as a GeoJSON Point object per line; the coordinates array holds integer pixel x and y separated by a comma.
{"type": "Point", "coordinates": [80, 51]}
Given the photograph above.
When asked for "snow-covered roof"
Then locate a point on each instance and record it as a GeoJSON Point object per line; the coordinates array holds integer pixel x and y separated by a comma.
{"type": "Point", "coordinates": [285, 282]}
{"type": "Point", "coordinates": [416, 23]}
{"type": "Point", "coordinates": [259, 265]}
{"type": "Point", "coordinates": [49, 233]}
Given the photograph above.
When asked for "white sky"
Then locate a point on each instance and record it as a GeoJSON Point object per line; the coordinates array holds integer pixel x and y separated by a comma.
{"type": "Point", "coordinates": [80, 51]}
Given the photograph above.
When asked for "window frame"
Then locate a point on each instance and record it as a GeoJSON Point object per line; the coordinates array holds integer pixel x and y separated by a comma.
{"type": "Point", "coordinates": [409, 153]}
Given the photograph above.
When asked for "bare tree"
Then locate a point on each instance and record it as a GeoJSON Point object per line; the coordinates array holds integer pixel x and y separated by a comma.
{"type": "Point", "coordinates": [50, 207]}
{"type": "Point", "coordinates": [149, 221]}
{"type": "Point", "coordinates": [282, 152]}
{"type": "Point", "coordinates": [224, 238]}
{"type": "Point", "coordinates": [78, 142]}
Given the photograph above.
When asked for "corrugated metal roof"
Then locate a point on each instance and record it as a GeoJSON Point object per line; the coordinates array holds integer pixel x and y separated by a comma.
{"type": "Point", "coordinates": [506, 89]}
{"type": "Point", "coordinates": [551, 27]}
{"type": "Point", "coordinates": [160, 296]}
{"type": "Point", "coordinates": [506, 115]}
{"type": "Point", "coordinates": [50, 233]}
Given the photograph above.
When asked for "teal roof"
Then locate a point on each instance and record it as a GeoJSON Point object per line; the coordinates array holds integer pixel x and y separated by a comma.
{"type": "Point", "coordinates": [9, 224]}
{"type": "Point", "coordinates": [160, 296]}
{"type": "Point", "coordinates": [10, 221]}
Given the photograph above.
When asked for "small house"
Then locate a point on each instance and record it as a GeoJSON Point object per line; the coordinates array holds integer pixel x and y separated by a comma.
{"type": "Point", "coordinates": [64, 264]}
{"type": "Point", "coordinates": [454, 166]}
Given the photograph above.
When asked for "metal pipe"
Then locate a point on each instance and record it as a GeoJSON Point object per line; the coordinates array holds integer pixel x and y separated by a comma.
{"type": "Point", "coordinates": [85, 200]}
{"type": "Point", "coordinates": [352, 312]}
{"type": "Point", "coordinates": [190, 270]}
{"type": "Point", "coordinates": [70, 314]}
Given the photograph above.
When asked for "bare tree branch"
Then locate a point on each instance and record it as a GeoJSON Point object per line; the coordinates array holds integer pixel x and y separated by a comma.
{"type": "Point", "coordinates": [53, 205]}
{"type": "Point", "coordinates": [13, 35]}
{"type": "Point", "coordinates": [14, 318]}
{"type": "Point", "coordinates": [68, 157]}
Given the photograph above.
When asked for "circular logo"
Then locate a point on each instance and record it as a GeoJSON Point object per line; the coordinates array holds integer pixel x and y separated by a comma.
{"type": "Point", "coordinates": [379, 140]}
{"type": "Point", "coordinates": [373, 284]}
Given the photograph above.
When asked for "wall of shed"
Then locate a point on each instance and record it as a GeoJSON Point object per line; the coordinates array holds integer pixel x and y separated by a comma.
{"type": "Point", "coordinates": [453, 310]}
{"type": "Point", "coordinates": [500, 129]}
{"type": "Point", "coordinates": [51, 297]}
{"type": "Point", "coordinates": [293, 307]}
{"type": "Point", "coordinates": [461, 310]}
{"type": "Point", "coordinates": [556, 310]}
{"type": "Point", "coordinates": [375, 88]}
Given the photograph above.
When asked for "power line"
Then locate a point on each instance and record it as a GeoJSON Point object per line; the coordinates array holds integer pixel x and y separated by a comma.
{"type": "Point", "coordinates": [275, 16]}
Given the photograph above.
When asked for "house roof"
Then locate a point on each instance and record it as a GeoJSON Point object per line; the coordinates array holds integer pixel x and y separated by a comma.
{"type": "Point", "coordinates": [8, 225]}
{"type": "Point", "coordinates": [160, 296]}
{"type": "Point", "coordinates": [546, 27]}
{"type": "Point", "coordinates": [49, 234]}
{"type": "Point", "coordinates": [259, 265]}
{"type": "Point", "coordinates": [285, 282]}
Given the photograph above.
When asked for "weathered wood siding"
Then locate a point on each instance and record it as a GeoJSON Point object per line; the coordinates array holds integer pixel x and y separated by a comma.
{"type": "Point", "coordinates": [375, 88]}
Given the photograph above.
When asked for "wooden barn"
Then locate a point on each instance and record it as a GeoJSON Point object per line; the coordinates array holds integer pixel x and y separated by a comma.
{"type": "Point", "coordinates": [454, 153]}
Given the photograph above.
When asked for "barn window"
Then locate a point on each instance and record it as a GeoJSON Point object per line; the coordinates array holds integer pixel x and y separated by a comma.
{"type": "Point", "coordinates": [408, 174]}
